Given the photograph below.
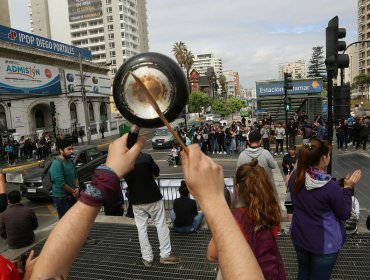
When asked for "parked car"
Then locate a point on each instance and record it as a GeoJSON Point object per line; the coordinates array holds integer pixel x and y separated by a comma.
{"type": "Point", "coordinates": [210, 117]}
{"type": "Point", "coordinates": [163, 137]}
{"type": "Point", "coordinates": [86, 159]}
{"type": "Point", "coordinates": [216, 118]}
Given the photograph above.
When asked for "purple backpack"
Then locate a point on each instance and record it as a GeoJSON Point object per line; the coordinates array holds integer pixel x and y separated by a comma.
{"type": "Point", "coordinates": [264, 246]}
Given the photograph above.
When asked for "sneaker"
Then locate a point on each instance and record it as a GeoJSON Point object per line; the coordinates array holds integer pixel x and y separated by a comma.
{"type": "Point", "coordinates": [275, 154]}
{"type": "Point", "coordinates": [147, 263]}
{"type": "Point", "coordinates": [90, 241]}
{"type": "Point", "coordinates": [175, 166]}
{"type": "Point", "coordinates": [171, 259]}
{"type": "Point", "coordinates": [224, 153]}
{"type": "Point", "coordinates": [281, 153]}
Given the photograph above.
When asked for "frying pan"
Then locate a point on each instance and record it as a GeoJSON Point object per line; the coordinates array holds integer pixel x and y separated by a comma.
{"type": "Point", "coordinates": [164, 79]}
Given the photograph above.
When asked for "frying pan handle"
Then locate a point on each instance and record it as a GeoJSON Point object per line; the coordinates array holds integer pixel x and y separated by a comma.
{"type": "Point", "coordinates": [132, 135]}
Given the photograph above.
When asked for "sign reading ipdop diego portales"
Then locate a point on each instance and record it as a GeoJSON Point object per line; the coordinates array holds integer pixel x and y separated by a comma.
{"type": "Point", "coordinates": [33, 41]}
{"type": "Point", "coordinates": [299, 87]}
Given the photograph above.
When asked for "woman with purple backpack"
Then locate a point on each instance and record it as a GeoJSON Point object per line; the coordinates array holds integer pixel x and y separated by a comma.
{"type": "Point", "coordinates": [258, 216]}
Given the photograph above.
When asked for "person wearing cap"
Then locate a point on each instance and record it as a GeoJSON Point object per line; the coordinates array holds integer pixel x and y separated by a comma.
{"type": "Point", "coordinates": [184, 215]}
{"type": "Point", "coordinates": [64, 178]}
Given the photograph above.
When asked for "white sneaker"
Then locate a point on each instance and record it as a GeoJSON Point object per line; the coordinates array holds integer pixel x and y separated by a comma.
{"type": "Point", "coordinates": [175, 166]}
{"type": "Point", "coordinates": [275, 154]}
{"type": "Point", "coordinates": [224, 153]}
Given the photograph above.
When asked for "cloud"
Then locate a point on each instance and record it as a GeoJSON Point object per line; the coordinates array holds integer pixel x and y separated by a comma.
{"type": "Point", "coordinates": [251, 37]}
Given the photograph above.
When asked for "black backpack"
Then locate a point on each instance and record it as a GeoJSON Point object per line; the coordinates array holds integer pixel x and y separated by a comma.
{"type": "Point", "coordinates": [47, 183]}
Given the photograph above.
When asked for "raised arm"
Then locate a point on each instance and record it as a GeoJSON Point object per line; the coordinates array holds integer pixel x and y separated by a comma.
{"type": "Point", "coordinates": [205, 181]}
{"type": "Point", "coordinates": [75, 225]}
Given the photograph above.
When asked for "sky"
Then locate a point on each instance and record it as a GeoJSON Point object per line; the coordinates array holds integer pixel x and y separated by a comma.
{"type": "Point", "coordinates": [250, 36]}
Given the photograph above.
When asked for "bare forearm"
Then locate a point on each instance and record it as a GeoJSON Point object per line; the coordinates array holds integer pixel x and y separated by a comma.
{"type": "Point", "coordinates": [68, 189]}
{"type": "Point", "coordinates": [231, 244]}
{"type": "Point", "coordinates": [64, 242]}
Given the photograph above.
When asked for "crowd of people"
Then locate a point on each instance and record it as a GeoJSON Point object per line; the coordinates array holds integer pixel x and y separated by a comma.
{"type": "Point", "coordinates": [244, 232]}
{"type": "Point", "coordinates": [26, 148]}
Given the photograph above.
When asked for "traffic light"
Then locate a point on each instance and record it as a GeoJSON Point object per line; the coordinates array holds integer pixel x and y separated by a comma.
{"type": "Point", "coordinates": [288, 104]}
{"type": "Point", "coordinates": [334, 60]}
{"type": "Point", "coordinates": [288, 81]}
{"type": "Point", "coordinates": [341, 102]}
{"type": "Point", "coordinates": [54, 121]}
{"type": "Point", "coordinates": [52, 108]}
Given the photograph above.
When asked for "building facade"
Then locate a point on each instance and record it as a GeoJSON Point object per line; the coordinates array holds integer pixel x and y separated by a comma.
{"type": "Point", "coordinates": [113, 30]}
{"type": "Point", "coordinates": [203, 61]}
{"type": "Point", "coordinates": [232, 83]}
{"type": "Point", "coordinates": [34, 80]}
{"type": "Point", "coordinates": [4, 14]}
{"type": "Point", "coordinates": [298, 69]}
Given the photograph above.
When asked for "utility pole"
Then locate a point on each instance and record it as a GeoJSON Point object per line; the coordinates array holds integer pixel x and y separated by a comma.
{"type": "Point", "coordinates": [288, 84]}
{"type": "Point", "coordinates": [84, 102]}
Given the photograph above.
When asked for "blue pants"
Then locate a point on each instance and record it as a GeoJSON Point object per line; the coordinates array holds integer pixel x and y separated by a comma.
{"type": "Point", "coordinates": [313, 266]}
{"type": "Point", "coordinates": [198, 219]}
{"type": "Point", "coordinates": [63, 204]}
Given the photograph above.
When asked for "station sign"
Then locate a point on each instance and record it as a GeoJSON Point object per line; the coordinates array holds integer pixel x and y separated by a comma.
{"type": "Point", "coordinates": [274, 88]}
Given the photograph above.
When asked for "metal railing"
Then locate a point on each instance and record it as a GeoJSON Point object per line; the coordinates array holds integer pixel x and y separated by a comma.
{"type": "Point", "coordinates": [169, 189]}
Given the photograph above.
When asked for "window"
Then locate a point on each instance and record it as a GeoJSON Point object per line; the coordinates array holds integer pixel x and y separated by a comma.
{"type": "Point", "coordinates": [112, 45]}
{"type": "Point", "coordinates": [3, 124]}
{"type": "Point", "coordinates": [111, 36]}
{"type": "Point", "coordinates": [109, 10]}
{"type": "Point", "coordinates": [112, 54]}
{"type": "Point", "coordinates": [109, 18]}
{"type": "Point", "coordinates": [91, 112]}
{"type": "Point", "coordinates": [110, 27]}
{"type": "Point", "coordinates": [73, 112]}
{"type": "Point", "coordinates": [108, 2]}
{"type": "Point", "coordinates": [103, 110]}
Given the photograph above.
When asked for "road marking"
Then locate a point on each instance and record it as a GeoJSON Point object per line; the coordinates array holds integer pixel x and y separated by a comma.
{"type": "Point", "coordinates": [52, 209]}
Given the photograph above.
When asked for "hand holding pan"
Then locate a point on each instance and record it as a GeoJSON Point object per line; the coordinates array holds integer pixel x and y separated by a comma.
{"type": "Point", "coordinates": [160, 77]}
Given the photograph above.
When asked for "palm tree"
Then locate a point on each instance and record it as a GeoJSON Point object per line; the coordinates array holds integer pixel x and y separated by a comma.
{"type": "Point", "coordinates": [178, 50]}
{"type": "Point", "coordinates": [188, 63]}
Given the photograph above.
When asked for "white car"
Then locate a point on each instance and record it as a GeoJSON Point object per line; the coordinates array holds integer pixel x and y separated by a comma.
{"type": "Point", "coordinates": [223, 122]}
{"type": "Point", "coordinates": [210, 117]}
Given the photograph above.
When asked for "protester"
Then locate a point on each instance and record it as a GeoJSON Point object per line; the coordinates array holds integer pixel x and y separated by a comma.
{"type": "Point", "coordinates": [146, 199]}
{"type": "Point", "coordinates": [289, 161]}
{"type": "Point", "coordinates": [279, 138]}
{"type": "Point", "coordinates": [205, 181]}
{"type": "Point", "coordinates": [264, 157]}
{"type": "Point", "coordinates": [319, 207]}
{"type": "Point", "coordinates": [3, 195]}
{"type": "Point", "coordinates": [184, 215]}
{"type": "Point", "coordinates": [258, 217]}
{"type": "Point", "coordinates": [18, 222]}
{"type": "Point", "coordinates": [64, 178]}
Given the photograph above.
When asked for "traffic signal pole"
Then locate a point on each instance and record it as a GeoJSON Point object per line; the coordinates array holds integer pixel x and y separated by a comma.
{"type": "Point", "coordinates": [330, 114]}
{"type": "Point", "coordinates": [286, 119]}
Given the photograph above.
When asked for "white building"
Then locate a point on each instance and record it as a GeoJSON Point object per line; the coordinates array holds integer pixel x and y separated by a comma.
{"type": "Point", "coordinates": [4, 14]}
{"type": "Point", "coordinates": [297, 69]}
{"type": "Point", "coordinates": [203, 61]}
{"type": "Point", "coordinates": [35, 79]}
{"type": "Point", "coordinates": [113, 30]}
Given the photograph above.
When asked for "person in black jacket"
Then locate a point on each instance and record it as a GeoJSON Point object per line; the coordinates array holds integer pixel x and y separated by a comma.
{"type": "Point", "coordinates": [3, 195]}
{"type": "Point", "coordinates": [146, 200]}
{"type": "Point", "coordinates": [184, 215]}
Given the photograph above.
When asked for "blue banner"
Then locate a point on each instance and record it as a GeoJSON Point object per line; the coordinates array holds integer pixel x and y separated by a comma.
{"type": "Point", "coordinates": [299, 87]}
{"type": "Point", "coordinates": [18, 37]}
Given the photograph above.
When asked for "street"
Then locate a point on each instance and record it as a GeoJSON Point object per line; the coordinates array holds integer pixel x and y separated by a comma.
{"type": "Point", "coordinates": [343, 163]}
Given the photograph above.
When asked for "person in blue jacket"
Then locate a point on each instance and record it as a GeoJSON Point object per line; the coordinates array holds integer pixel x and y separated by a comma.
{"type": "Point", "coordinates": [320, 205]}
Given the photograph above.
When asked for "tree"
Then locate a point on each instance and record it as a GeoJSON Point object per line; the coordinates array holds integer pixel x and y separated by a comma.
{"type": "Point", "coordinates": [222, 81]}
{"type": "Point", "coordinates": [178, 51]}
{"type": "Point", "coordinates": [362, 82]}
{"type": "Point", "coordinates": [317, 68]}
{"type": "Point", "coordinates": [188, 63]}
{"type": "Point", "coordinates": [198, 100]}
{"type": "Point", "coordinates": [221, 107]}
{"type": "Point", "coordinates": [235, 104]}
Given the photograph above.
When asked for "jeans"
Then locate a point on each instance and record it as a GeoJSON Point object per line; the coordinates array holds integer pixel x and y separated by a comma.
{"type": "Point", "coordinates": [157, 212]}
{"type": "Point", "coordinates": [198, 219]}
{"type": "Point", "coordinates": [63, 204]}
{"type": "Point", "coordinates": [266, 143]}
{"type": "Point", "coordinates": [228, 149]}
{"type": "Point", "coordinates": [214, 145]}
{"type": "Point", "coordinates": [279, 142]}
{"type": "Point", "coordinates": [313, 266]}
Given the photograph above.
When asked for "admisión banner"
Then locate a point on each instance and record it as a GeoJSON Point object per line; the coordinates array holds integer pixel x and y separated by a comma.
{"type": "Point", "coordinates": [20, 77]}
